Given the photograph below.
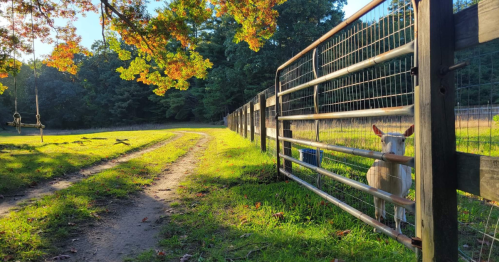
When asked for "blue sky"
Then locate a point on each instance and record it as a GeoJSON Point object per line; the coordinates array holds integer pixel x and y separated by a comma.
{"type": "Point", "coordinates": [90, 29]}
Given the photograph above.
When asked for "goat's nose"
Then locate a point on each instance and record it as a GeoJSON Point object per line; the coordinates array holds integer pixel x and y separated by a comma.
{"type": "Point", "coordinates": [391, 152]}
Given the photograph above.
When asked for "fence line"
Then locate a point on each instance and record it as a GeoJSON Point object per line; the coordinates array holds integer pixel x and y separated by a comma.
{"type": "Point", "coordinates": [318, 122]}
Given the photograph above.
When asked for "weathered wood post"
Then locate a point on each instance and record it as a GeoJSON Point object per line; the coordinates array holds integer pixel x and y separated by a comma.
{"type": "Point", "coordinates": [245, 116]}
{"type": "Point", "coordinates": [263, 127]}
{"type": "Point", "coordinates": [238, 120]}
{"type": "Point", "coordinates": [238, 115]}
{"type": "Point", "coordinates": [436, 183]}
{"type": "Point", "coordinates": [252, 121]}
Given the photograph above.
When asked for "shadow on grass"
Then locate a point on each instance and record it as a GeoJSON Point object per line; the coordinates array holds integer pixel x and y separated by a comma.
{"type": "Point", "coordinates": [232, 219]}
{"type": "Point", "coordinates": [36, 229]}
{"type": "Point", "coordinates": [28, 168]}
{"type": "Point", "coordinates": [23, 165]}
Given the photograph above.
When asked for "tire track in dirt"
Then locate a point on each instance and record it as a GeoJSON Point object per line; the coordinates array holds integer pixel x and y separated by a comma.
{"type": "Point", "coordinates": [49, 187]}
{"type": "Point", "coordinates": [123, 233]}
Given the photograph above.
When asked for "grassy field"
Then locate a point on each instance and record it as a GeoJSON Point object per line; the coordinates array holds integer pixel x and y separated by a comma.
{"type": "Point", "coordinates": [233, 208]}
{"type": "Point", "coordinates": [24, 160]}
{"type": "Point", "coordinates": [31, 233]}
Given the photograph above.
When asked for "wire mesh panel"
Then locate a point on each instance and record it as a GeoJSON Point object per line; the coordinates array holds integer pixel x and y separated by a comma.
{"type": "Point", "coordinates": [386, 27]}
{"type": "Point", "coordinates": [477, 100]}
{"type": "Point", "coordinates": [477, 132]}
{"type": "Point", "coordinates": [383, 85]}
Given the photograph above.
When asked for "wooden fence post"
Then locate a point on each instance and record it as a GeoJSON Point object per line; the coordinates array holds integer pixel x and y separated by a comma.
{"type": "Point", "coordinates": [238, 120]}
{"type": "Point", "coordinates": [436, 183]}
{"type": "Point", "coordinates": [241, 125]}
{"type": "Point", "coordinates": [263, 128]}
{"type": "Point", "coordinates": [245, 114]}
{"type": "Point", "coordinates": [252, 121]}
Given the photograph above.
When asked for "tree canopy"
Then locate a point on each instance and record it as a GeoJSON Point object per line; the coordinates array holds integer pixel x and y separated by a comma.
{"type": "Point", "coordinates": [97, 96]}
{"type": "Point", "coordinates": [165, 42]}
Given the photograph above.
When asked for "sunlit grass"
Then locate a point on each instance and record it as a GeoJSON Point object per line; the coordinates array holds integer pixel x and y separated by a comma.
{"type": "Point", "coordinates": [30, 233]}
{"type": "Point", "coordinates": [24, 160]}
{"type": "Point", "coordinates": [231, 207]}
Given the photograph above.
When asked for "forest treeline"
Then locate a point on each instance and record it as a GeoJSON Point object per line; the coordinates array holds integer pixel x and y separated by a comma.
{"type": "Point", "coordinates": [97, 97]}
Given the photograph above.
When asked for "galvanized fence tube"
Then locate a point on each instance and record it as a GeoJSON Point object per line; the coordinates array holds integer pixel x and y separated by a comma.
{"type": "Point", "coordinates": [359, 72]}
{"type": "Point", "coordinates": [394, 199]}
{"type": "Point", "coordinates": [277, 103]}
{"type": "Point", "coordinates": [403, 160]}
{"type": "Point", "coordinates": [315, 64]}
{"type": "Point", "coordinates": [394, 53]}
{"type": "Point", "coordinates": [406, 241]}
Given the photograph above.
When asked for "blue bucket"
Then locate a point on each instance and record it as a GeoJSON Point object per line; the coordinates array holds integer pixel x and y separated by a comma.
{"type": "Point", "coordinates": [308, 156]}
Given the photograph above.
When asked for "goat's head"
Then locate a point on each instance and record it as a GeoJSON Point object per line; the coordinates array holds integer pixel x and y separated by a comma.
{"type": "Point", "coordinates": [393, 143]}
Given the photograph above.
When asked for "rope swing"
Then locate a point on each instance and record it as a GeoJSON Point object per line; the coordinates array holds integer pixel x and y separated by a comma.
{"type": "Point", "coordinates": [17, 117]}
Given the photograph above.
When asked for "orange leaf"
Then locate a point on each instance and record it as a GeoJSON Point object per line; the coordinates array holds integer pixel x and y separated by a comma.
{"type": "Point", "coordinates": [279, 215]}
{"type": "Point", "coordinates": [144, 219]}
{"type": "Point", "coordinates": [258, 205]}
{"type": "Point", "coordinates": [343, 233]}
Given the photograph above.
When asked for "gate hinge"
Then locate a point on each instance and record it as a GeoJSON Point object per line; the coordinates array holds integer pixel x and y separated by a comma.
{"type": "Point", "coordinates": [417, 242]}
{"type": "Point", "coordinates": [414, 71]}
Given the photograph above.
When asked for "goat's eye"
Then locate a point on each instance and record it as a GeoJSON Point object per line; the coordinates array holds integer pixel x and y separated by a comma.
{"type": "Point", "coordinates": [382, 141]}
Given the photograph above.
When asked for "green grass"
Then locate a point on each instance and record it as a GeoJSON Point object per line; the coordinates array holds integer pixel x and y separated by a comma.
{"type": "Point", "coordinates": [228, 209]}
{"type": "Point", "coordinates": [24, 160]}
{"type": "Point", "coordinates": [30, 233]}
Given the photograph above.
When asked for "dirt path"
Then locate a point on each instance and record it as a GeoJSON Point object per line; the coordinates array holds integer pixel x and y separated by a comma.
{"type": "Point", "coordinates": [124, 234]}
{"type": "Point", "coordinates": [49, 187]}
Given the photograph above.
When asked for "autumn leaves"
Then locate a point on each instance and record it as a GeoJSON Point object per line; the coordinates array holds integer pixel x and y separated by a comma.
{"type": "Point", "coordinates": [164, 44]}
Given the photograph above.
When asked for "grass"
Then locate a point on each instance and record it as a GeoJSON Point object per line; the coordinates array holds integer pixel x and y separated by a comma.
{"type": "Point", "coordinates": [231, 209]}
{"type": "Point", "coordinates": [24, 160]}
{"type": "Point", "coordinates": [32, 232]}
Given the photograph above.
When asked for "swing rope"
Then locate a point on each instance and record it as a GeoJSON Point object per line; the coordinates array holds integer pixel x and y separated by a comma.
{"type": "Point", "coordinates": [17, 116]}
{"type": "Point", "coordinates": [38, 120]}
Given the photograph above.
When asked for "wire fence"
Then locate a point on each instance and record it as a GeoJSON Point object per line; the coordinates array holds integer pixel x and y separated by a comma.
{"type": "Point", "coordinates": [477, 132]}
{"type": "Point", "coordinates": [337, 109]}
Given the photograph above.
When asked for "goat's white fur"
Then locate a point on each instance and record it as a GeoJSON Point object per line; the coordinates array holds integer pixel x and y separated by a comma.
{"type": "Point", "coordinates": [390, 177]}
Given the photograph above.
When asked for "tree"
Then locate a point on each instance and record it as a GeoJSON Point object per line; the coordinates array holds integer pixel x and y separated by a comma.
{"type": "Point", "coordinates": [165, 43]}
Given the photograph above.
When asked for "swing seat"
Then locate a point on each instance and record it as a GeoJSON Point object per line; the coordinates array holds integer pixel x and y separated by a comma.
{"type": "Point", "coordinates": [26, 125]}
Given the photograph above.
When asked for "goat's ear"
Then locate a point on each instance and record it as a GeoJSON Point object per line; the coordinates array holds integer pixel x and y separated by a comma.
{"type": "Point", "coordinates": [377, 131]}
{"type": "Point", "coordinates": [409, 131]}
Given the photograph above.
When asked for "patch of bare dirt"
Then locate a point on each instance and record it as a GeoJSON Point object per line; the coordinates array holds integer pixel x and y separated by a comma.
{"type": "Point", "coordinates": [49, 187]}
{"type": "Point", "coordinates": [134, 224]}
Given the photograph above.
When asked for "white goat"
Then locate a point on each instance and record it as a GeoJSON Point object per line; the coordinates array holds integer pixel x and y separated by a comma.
{"type": "Point", "coordinates": [391, 177]}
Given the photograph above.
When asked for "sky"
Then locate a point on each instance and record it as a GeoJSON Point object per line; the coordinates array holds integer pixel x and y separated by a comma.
{"type": "Point", "coordinates": [90, 29]}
